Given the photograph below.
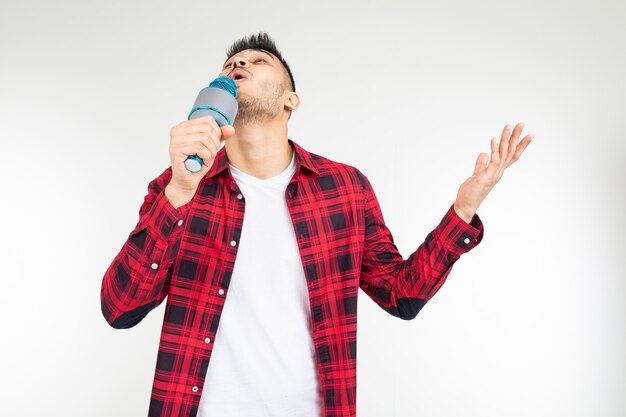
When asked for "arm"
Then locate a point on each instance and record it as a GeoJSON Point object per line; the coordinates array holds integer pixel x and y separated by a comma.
{"type": "Point", "coordinates": [138, 278]}
{"type": "Point", "coordinates": [402, 287]}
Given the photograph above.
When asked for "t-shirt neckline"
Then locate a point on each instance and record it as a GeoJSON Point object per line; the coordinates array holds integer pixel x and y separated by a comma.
{"type": "Point", "coordinates": [277, 177]}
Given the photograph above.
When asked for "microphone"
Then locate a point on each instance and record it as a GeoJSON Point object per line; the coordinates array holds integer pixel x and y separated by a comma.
{"type": "Point", "coordinates": [218, 100]}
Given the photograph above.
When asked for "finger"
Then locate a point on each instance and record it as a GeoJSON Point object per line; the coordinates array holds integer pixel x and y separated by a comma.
{"type": "Point", "coordinates": [213, 149]}
{"type": "Point", "coordinates": [504, 141]}
{"type": "Point", "coordinates": [199, 120]}
{"type": "Point", "coordinates": [481, 162]}
{"type": "Point", "coordinates": [227, 131]}
{"type": "Point", "coordinates": [204, 137]}
{"type": "Point", "coordinates": [522, 145]}
{"type": "Point", "coordinates": [515, 137]}
{"type": "Point", "coordinates": [495, 155]}
{"type": "Point", "coordinates": [205, 123]}
{"type": "Point", "coordinates": [208, 140]}
{"type": "Point", "coordinates": [197, 148]}
{"type": "Point", "coordinates": [204, 127]}
{"type": "Point", "coordinates": [207, 157]}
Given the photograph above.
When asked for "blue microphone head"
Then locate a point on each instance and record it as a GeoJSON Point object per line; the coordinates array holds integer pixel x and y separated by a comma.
{"type": "Point", "coordinates": [225, 83]}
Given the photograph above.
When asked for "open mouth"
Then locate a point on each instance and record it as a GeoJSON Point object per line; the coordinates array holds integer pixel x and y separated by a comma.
{"type": "Point", "coordinates": [238, 75]}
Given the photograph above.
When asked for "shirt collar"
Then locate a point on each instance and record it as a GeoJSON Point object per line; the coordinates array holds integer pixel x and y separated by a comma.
{"type": "Point", "coordinates": [303, 159]}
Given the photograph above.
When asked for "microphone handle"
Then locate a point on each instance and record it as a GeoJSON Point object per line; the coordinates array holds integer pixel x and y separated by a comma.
{"type": "Point", "coordinates": [194, 163]}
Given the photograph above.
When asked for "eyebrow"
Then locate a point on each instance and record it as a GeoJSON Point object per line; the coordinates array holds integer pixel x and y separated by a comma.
{"type": "Point", "coordinates": [254, 49]}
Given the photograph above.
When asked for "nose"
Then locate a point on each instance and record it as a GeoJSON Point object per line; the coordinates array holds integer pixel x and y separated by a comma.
{"type": "Point", "coordinates": [240, 62]}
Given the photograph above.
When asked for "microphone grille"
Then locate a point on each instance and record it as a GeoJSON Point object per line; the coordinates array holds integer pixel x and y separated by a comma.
{"type": "Point", "coordinates": [225, 83]}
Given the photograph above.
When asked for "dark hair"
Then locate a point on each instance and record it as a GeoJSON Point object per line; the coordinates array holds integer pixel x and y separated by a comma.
{"type": "Point", "coordinates": [263, 41]}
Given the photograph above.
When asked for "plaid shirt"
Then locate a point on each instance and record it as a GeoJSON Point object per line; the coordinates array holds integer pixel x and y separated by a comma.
{"type": "Point", "coordinates": [188, 254]}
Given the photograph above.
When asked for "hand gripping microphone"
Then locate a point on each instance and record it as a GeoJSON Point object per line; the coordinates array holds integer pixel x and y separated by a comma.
{"type": "Point", "coordinates": [218, 100]}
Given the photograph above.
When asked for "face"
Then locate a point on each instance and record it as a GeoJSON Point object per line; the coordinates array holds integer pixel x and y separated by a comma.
{"type": "Point", "coordinates": [262, 85]}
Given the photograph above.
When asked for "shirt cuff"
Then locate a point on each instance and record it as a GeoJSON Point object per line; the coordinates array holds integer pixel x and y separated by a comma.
{"type": "Point", "coordinates": [458, 235]}
{"type": "Point", "coordinates": [164, 218]}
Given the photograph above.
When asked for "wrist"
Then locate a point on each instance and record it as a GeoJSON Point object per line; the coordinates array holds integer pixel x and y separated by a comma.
{"type": "Point", "coordinates": [467, 214]}
{"type": "Point", "coordinates": [178, 197]}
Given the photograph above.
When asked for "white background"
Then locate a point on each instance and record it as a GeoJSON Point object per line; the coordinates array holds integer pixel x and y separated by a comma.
{"type": "Point", "coordinates": [530, 322]}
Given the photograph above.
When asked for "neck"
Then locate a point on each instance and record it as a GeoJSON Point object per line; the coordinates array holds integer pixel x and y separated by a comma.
{"type": "Point", "coordinates": [260, 150]}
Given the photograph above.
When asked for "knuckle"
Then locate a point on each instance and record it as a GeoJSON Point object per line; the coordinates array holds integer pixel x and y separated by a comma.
{"type": "Point", "coordinates": [203, 153]}
{"type": "Point", "coordinates": [206, 120]}
{"type": "Point", "coordinates": [198, 137]}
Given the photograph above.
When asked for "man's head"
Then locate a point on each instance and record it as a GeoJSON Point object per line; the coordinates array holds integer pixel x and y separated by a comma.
{"type": "Point", "coordinates": [265, 85]}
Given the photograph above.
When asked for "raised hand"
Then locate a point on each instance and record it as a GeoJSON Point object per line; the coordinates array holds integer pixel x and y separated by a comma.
{"type": "Point", "coordinates": [487, 172]}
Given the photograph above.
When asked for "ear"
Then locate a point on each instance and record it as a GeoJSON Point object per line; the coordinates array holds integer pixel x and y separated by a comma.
{"type": "Point", "coordinates": [292, 101]}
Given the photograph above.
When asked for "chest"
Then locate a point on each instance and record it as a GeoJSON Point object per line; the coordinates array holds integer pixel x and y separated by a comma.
{"type": "Point", "coordinates": [323, 224]}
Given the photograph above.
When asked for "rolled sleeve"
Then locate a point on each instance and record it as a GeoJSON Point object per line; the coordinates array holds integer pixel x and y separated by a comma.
{"type": "Point", "coordinates": [457, 235]}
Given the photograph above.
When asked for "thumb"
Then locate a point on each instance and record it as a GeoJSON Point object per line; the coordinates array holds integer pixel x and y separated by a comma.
{"type": "Point", "coordinates": [227, 131]}
{"type": "Point", "coordinates": [481, 162]}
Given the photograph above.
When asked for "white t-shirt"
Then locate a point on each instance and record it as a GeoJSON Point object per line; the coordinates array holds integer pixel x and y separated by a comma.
{"type": "Point", "coordinates": [263, 359]}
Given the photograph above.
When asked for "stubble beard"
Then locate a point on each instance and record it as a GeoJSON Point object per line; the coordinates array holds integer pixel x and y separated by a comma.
{"type": "Point", "coordinates": [257, 110]}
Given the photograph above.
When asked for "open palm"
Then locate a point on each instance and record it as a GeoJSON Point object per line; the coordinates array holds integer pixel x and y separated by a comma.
{"type": "Point", "coordinates": [487, 172]}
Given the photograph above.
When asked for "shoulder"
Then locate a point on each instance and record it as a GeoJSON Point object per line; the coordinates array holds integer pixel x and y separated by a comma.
{"type": "Point", "coordinates": [339, 174]}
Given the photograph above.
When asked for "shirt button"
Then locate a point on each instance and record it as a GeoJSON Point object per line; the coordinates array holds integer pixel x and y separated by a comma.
{"type": "Point", "coordinates": [221, 292]}
{"type": "Point", "coordinates": [155, 266]}
{"type": "Point", "coordinates": [233, 243]}
{"type": "Point", "coordinates": [180, 222]}
{"type": "Point", "coordinates": [207, 340]}
{"type": "Point", "coordinates": [467, 240]}
{"type": "Point", "coordinates": [195, 389]}
{"type": "Point", "coordinates": [239, 196]}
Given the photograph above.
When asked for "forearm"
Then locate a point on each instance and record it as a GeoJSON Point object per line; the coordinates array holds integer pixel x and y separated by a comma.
{"type": "Point", "coordinates": [403, 287]}
{"type": "Point", "coordinates": [138, 278]}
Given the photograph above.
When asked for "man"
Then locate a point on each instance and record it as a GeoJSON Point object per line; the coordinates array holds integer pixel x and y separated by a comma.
{"type": "Point", "coordinates": [261, 255]}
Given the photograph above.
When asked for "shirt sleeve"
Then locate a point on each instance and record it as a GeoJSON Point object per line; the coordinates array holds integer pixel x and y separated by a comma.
{"type": "Point", "coordinates": [138, 278]}
{"type": "Point", "coordinates": [402, 287]}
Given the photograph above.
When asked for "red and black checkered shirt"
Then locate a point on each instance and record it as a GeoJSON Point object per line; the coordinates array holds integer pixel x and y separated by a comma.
{"type": "Point", "coordinates": [188, 254]}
